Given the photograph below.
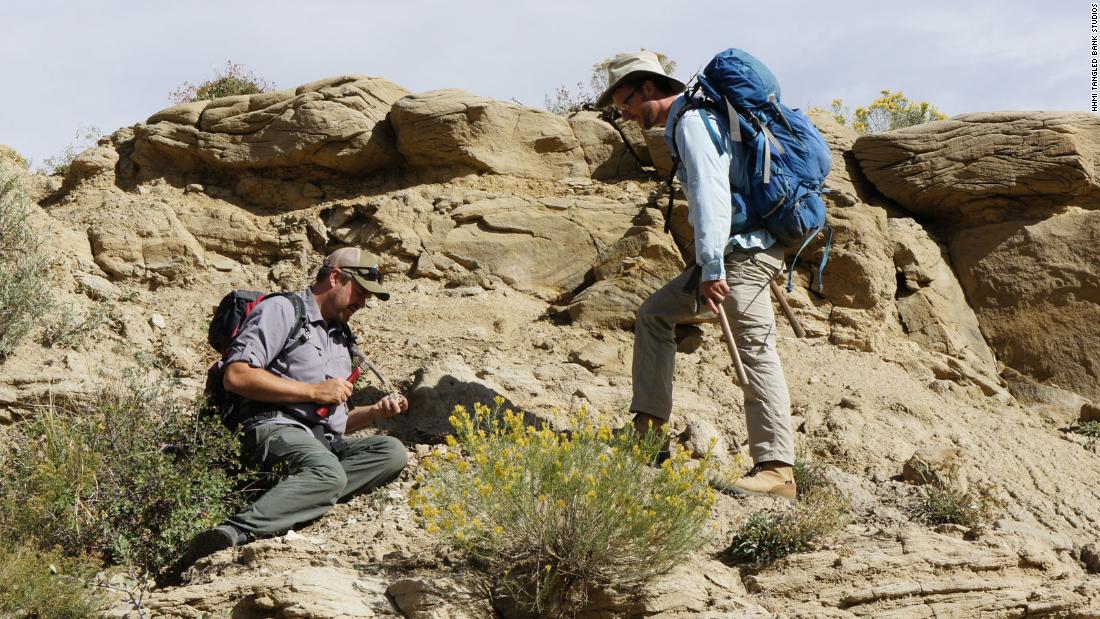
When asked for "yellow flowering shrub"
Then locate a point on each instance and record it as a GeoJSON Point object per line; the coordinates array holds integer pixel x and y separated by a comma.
{"type": "Point", "coordinates": [553, 514]}
{"type": "Point", "coordinates": [893, 110]}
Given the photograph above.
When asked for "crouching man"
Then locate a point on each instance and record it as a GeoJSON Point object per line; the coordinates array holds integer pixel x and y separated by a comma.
{"type": "Point", "coordinates": [286, 391]}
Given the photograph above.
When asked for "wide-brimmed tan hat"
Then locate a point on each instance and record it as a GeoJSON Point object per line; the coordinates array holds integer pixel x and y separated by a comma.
{"type": "Point", "coordinates": [626, 67]}
{"type": "Point", "coordinates": [361, 266]}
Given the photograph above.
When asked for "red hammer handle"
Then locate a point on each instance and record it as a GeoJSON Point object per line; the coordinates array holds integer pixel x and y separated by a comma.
{"type": "Point", "coordinates": [324, 410]}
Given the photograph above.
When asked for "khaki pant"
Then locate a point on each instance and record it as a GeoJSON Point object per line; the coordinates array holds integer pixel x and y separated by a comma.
{"type": "Point", "coordinates": [317, 478]}
{"type": "Point", "coordinates": [749, 307]}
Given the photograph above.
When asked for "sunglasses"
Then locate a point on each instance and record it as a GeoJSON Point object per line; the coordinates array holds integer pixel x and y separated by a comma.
{"type": "Point", "coordinates": [371, 274]}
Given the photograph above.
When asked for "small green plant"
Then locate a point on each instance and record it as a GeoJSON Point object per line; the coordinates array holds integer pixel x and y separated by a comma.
{"type": "Point", "coordinates": [234, 79]}
{"type": "Point", "coordinates": [809, 476]}
{"type": "Point", "coordinates": [893, 110]}
{"type": "Point", "coordinates": [128, 473]}
{"type": "Point", "coordinates": [944, 503]}
{"type": "Point", "coordinates": [1089, 428]}
{"type": "Point", "coordinates": [768, 535]}
{"type": "Point", "coordinates": [37, 583]}
{"type": "Point", "coordinates": [564, 102]}
{"type": "Point", "coordinates": [552, 514]}
{"type": "Point", "coordinates": [85, 138]}
{"type": "Point", "coordinates": [67, 327]}
{"type": "Point", "coordinates": [24, 268]}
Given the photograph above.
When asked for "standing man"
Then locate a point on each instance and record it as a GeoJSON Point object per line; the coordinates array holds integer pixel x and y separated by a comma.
{"type": "Point", "coordinates": [736, 258]}
{"type": "Point", "coordinates": [283, 388]}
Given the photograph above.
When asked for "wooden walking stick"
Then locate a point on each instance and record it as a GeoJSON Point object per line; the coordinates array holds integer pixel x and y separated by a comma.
{"type": "Point", "coordinates": [727, 334]}
{"type": "Point", "coordinates": [797, 326]}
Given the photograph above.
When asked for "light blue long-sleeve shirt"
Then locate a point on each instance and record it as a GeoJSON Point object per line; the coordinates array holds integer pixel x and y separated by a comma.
{"type": "Point", "coordinates": [707, 177]}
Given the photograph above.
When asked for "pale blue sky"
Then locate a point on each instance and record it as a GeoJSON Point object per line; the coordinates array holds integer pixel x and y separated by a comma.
{"type": "Point", "coordinates": [112, 63]}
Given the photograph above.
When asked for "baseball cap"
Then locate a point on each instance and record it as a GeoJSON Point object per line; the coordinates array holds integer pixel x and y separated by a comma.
{"type": "Point", "coordinates": [361, 266]}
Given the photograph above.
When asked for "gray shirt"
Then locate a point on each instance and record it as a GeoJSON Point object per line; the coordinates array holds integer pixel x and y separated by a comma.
{"type": "Point", "coordinates": [318, 353]}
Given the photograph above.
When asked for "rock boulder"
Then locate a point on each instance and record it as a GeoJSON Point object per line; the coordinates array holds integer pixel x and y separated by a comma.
{"type": "Point", "coordinates": [989, 167]}
{"type": "Point", "coordinates": [1036, 290]}
{"type": "Point", "coordinates": [462, 132]}
{"type": "Point", "coordinates": [337, 124]}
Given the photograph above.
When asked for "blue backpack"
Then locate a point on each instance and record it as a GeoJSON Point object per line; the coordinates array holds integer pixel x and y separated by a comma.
{"type": "Point", "coordinates": [781, 180]}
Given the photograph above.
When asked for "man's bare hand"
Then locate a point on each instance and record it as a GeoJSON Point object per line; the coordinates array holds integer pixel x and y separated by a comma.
{"type": "Point", "coordinates": [393, 404]}
{"type": "Point", "coordinates": [332, 391]}
{"type": "Point", "coordinates": [714, 291]}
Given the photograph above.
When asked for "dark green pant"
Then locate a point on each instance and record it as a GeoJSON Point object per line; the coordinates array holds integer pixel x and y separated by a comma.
{"type": "Point", "coordinates": [317, 479]}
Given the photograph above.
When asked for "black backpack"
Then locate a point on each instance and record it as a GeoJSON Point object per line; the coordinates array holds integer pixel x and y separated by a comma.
{"type": "Point", "coordinates": [226, 323]}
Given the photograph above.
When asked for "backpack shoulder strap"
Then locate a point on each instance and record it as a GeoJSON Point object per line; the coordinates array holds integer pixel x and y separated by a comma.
{"type": "Point", "coordinates": [351, 342]}
{"type": "Point", "coordinates": [299, 319]}
{"type": "Point", "coordinates": [692, 104]}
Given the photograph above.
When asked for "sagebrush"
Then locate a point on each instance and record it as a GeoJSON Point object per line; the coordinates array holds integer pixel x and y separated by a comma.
{"type": "Point", "coordinates": [128, 473]}
{"type": "Point", "coordinates": [947, 503]}
{"type": "Point", "coordinates": [234, 79]}
{"type": "Point", "coordinates": [68, 327]}
{"type": "Point", "coordinates": [554, 514]}
{"type": "Point", "coordinates": [25, 289]}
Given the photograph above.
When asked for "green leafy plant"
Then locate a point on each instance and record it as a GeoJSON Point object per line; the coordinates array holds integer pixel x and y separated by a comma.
{"type": "Point", "coordinates": [38, 583]}
{"type": "Point", "coordinates": [945, 503]}
{"type": "Point", "coordinates": [85, 138]}
{"type": "Point", "coordinates": [234, 79]}
{"type": "Point", "coordinates": [1089, 428]}
{"type": "Point", "coordinates": [24, 266]}
{"type": "Point", "coordinates": [128, 473]}
{"type": "Point", "coordinates": [771, 534]}
{"type": "Point", "coordinates": [564, 101]}
{"type": "Point", "coordinates": [553, 514]}
{"type": "Point", "coordinates": [893, 110]}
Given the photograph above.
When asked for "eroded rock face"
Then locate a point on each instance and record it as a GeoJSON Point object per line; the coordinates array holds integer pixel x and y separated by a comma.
{"type": "Point", "coordinates": [986, 168]}
{"type": "Point", "coordinates": [541, 245]}
{"type": "Point", "coordinates": [915, 573]}
{"type": "Point", "coordinates": [930, 302]}
{"type": "Point", "coordinates": [434, 395]}
{"type": "Point", "coordinates": [10, 156]}
{"type": "Point", "coordinates": [604, 148]}
{"type": "Point", "coordinates": [535, 246]}
{"type": "Point", "coordinates": [626, 274]}
{"type": "Point", "coordinates": [337, 124]}
{"type": "Point", "coordinates": [455, 130]}
{"type": "Point", "coordinates": [1036, 290]}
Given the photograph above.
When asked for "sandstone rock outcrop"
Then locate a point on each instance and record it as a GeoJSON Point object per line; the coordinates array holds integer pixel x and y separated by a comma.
{"type": "Point", "coordinates": [542, 245]}
{"type": "Point", "coordinates": [1015, 195]}
{"type": "Point", "coordinates": [606, 152]}
{"type": "Point", "coordinates": [10, 156]}
{"type": "Point", "coordinates": [989, 167]}
{"type": "Point", "coordinates": [1036, 290]}
{"type": "Point", "coordinates": [625, 274]}
{"type": "Point", "coordinates": [337, 124]}
{"type": "Point", "coordinates": [456, 130]}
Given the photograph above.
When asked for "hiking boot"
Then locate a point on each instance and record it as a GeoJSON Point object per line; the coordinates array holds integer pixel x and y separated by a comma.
{"type": "Point", "coordinates": [210, 541]}
{"type": "Point", "coordinates": [765, 479]}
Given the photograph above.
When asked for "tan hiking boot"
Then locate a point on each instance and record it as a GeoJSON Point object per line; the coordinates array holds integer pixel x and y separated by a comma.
{"type": "Point", "coordinates": [767, 479]}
